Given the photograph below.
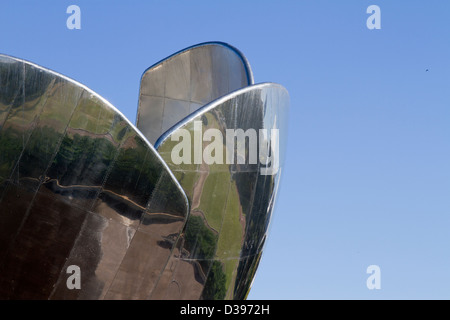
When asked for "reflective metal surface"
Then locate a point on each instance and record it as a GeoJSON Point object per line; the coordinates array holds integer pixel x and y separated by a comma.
{"type": "Point", "coordinates": [180, 84]}
{"type": "Point", "coordinates": [79, 185]}
{"type": "Point", "coordinates": [230, 204]}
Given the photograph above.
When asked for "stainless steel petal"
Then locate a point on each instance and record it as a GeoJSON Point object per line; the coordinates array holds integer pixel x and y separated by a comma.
{"type": "Point", "coordinates": [180, 84]}
{"type": "Point", "coordinates": [79, 185]}
{"type": "Point", "coordinates": [231, 200]}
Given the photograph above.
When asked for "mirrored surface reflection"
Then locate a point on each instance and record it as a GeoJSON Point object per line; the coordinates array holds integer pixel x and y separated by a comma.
{"type": "Point", "coordinates": [231, 202]}
{"type": "Point", "coordinates": [182, 83]}
{"type": "Point", "coordinates": [80, 186]}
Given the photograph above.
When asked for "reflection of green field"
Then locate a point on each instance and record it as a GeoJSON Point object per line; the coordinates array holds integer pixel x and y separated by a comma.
{"type": "Point", "coordinates": [230, 239]}
{"type": "Point", "coordinates": [214, 197]}
{"type": "Point", "coordinates": [92, 117]}
{"type": "Point", "coordinates": [187, 180]}
{"type": "Point", "coordinates": [215, 191]}
{"type": "Point", "coordinates": [186, 174]}
{"type": "Point", "coordinates": [61, 101]}
{"type": "Point", "coordinates": [220, 204]}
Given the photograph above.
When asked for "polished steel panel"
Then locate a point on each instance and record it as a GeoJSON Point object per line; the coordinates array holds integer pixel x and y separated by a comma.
{"type": "Point", "coordinates": [230, 204]}
{"type": "Point", "coordinates": [180, 84]}
{"type": "Point", "coordinates": [79, 185]}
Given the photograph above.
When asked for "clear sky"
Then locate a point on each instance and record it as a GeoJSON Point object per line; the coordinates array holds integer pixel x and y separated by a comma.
{"type": "Point", "coordinates": [367, 175]}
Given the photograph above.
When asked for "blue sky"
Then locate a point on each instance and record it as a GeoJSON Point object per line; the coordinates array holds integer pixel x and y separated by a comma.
{"type": "Point", "coordinates": [367, 176]}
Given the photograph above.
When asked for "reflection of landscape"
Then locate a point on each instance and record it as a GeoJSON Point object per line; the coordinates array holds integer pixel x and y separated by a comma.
{"type": "Point", "coordinates": [231, 205]}
{"type": "Point", "coordinates": [82, 159]}
{"type": "Point", "coordinates": [78, 186]}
